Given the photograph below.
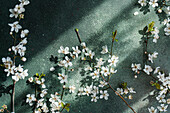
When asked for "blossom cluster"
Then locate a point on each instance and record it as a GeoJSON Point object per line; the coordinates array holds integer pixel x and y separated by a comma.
{"type": "Point", "coordinates": [4, 108]}
{"type": "Point", "coordinates": [161, 6]}
{"type": "Point", "coordinates": [162, 80]}
{"type": "Point", "coordinates": [19, 50]}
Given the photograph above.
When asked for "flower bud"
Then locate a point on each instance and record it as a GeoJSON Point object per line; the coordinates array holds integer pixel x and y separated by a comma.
{"type": "Point", "coordinates": [52, 69]}
{"type": "Point", "coordinates": [23, 59]}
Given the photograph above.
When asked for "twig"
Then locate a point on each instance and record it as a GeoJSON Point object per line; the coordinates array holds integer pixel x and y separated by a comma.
{"type": "Point", "coordinates": [102, 76]}
{"type": "Point", "coordinates": [13, 97]}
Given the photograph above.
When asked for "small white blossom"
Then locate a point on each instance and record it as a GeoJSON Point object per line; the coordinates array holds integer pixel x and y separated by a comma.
{"type": "Point", "coordinates": [162, 107]}
{"type": "Point", "coordinates": [45, 108]}
{"type": "Point", "coordinates": [95, 74]}
{"type": "Point", "coordinates": [142, 2]}
{"type": "Point", "coordinates": [24, 33]}
{"type": "Point", "coordinates": [13, 13]}
{"type": "Point", "coordinates": [136, 67]}
{"type": "Point", "coordinates": [24, 2]}
{"type": "Point", "coordinates": [43, 93]}
{"type": "Point", "coordinates": [19, 8]}
{"type": "Point", "coordinates": [156, 70]}
{"type": "Point", "coordinates": [72, 89]}
{"type": "Point", "coordinates": [105, 71]}
{"type": "Point", "coordinates": [152, 110]}
{"type": "Point", "coordinates": [30, 79]}
{"type": "Point", "coordinates": [120, 91]}
{"type": "Point", "coordinates": [94, 98]}
{"type": "Point", "coordinates": [148, 69]}
{"type": "Point", "coordinates": [105, 50]}
{"type": "Point", "coordinates": [167, 30]}
{"type": "Point", "coordinates": [63, 50]}
{"type": "Point", "coordinates": [104, 94]}
{"type": "Point", "coordinates": [114, 59]}
{"type": "Point", "coordinates": [76, 51]}
{"type": "Point", "coordinates": [87, 90]}
{"type": "Point", "coordinates": [52, 69]}
{"type": "Point", "coordinates": [153, 3]}
{"type": "Point", "coordinates": [90, 54]}
{"type": "Point", "coordinates": [15, 26]}
{"type": "Point", "coordinates": [100, 62]}
{"type": "Point", "coordinates": [62, 78]}
{"type": "Point", "coordinates": [30, 99]}
{"type": "Point", "coordinates": [161, 99]}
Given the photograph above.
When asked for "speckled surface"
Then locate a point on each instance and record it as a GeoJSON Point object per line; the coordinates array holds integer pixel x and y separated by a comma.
{"type": "Point", "coordinates": [51, 24]}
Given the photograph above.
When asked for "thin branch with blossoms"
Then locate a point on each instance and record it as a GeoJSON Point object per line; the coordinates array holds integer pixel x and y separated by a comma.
{"type": "Point", "coordinates": [18, 50]}
{"type": "Point", "coordinates": [106, 71]}
{"type": "Point", "coordinates": [162, 80]}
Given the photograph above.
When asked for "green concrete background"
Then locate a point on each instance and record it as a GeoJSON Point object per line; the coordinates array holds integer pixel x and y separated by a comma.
{"type": "Point", "coordinates": [51, 24]}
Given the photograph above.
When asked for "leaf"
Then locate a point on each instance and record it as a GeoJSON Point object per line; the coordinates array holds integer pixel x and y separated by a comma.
{"type": "Point", "coordinates": [124, 84]}
{"type": "Point", "coordinates": [116, 40]}
{"type": "Point", "coordinates": [151, 26]}
{"type": "Point", "coordinates": [62, 104]}
{"type": "Point", "coordinates": [157, 85]}
{"type": "Point", "coordinates": [68, 109]}
{"type": "Point", "coordinates": [67, 105]}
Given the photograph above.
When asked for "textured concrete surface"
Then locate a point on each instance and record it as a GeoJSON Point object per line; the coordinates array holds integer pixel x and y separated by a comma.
{"type": "Point", "coordinates": [51, 24]}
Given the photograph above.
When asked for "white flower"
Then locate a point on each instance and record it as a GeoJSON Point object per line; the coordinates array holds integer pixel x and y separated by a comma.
{"type": "Point", "coordinates": [104, 94]}
{"type": "Point", "coordinates": [88, 68]}
{"type": "Point", "coordinates": [102, 84]}
{"type": "Point", "coordinates": [167, 10]}
{"type": "Point", "coordinates": [55, 106]}
{"type": "Point", "coordinates": [90, 54]}
{"type": "Point", "coordinates": [95, 74]}
{"type": "Point", "coordinates": [167, 30]}
{"type": "Point", "coordinates": [156, 70]}
{"type": "Point", "coordinates": [83, 44]}
{"type": "Point", "coordinates": [100, 62]}
{"type": "Point", "coordinates": [142, 2]}
{"type": "Point", "coordinates": [7, 62]}
{"type": "Point", "coordinates": [15, 26]}
{"type": "Point", "coordinates": [120, 91]}
{"type": "Point", "coordinates": [45, 108]}
{"type": "Point", "coordinates": [131, 90]}
{"type": "Point", "coordinates": [112, 71]}
{"type": "Point", "coordinates": [16, 77]}
{"type": "Point", "coordinates": [67, 62]}
{"type": "Point", "coordinates": [24, 33]}
{"type": "Point", "coordinates": [23, 42]}
{"type": "Point", "coordinates": [95, 90]}
{"type": "Point", "coordinates": [19, 8]}
{"type": "Point", "coordinates": [155, 31]}
{"type": "Point", "coordinates": [52, 69]}
{"type": "Point", "coordinates": [76, 51]}
{"type": "Point", "coordinates": [114, 59]}
{"type": "Point", "coordinates": [43, 93]}
{"type": "Point", "coordinates": [41, 82]}
{"type": "Point", "coordinates": [148, 69]}
{"type": "Point", "coordinates": [162, 107]}
{"type": "Point", "coordinates": [13, 13]}
{"type": "Point", "coordinates": [21, 50]}
{"type": "Point", "coordinates": [62, 78]}
{"type": "Point", "coordinates": [161, 99]}
{"type": "Point", "coordinates": [105, 50]}
{"type": "Point", "coordinates": [105, 71]}
{"type": "Point", "coordinates": [161, 76]}
{"type": "Point", "coordinates": [151, 57]}
{"type": "Point", "coordinates": [63, 50]}
{"type": "Point", "coordinates": [72, 89]}
{"type": "Point", "coordinates": [155, 38]}
{"type": "Point", "coordinates": [153, 3]}
{"type": "Point", "coordinates": [30, 79]}
{"type": "Point", "coordinates": [136, 67]}
{"type": "Point", "coordinates": [80, 92]}
{"type": "Point", "coordinates": [54, 98]}
{"type": "Point", "coordinates": [94, 98]}
{"type": "Point", "coordinates": [30, 99]}
{"type": "Point", "coordinates": [24, 2]}
{"type": "Point", "coordinates": [152, 110]}
{"type": "Point", "coordinates": [40, 102]}
{"type": "Point", "coordinates": [24, 73]}
{"type": "Point", "coordinates": [87, 90]}
{"type": "Point", "coordinates": [166, 21]}
{"type": "Point", "coordinates": [10, 70]}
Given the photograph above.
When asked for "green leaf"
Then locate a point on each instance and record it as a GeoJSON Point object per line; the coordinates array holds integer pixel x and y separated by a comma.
{"type": "Point", "coordinates": [68, 109]}
{"type": "Point", "coordinates": [124, 84]}
{"type": "Point", "coordinates": [62, 104]}
{"type": "Point", "coordinates": [151, 26]}
{"type": "Point", "coordinates": [157, 85]}
{"type": "Point", "coordinates": [116, 40]}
